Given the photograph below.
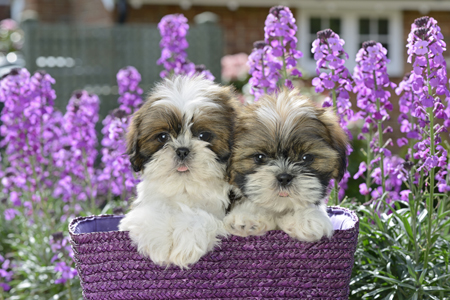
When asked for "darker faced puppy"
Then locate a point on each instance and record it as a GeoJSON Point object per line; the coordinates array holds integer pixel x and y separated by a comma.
{"type": "Point", "coordinates": [286, 151]}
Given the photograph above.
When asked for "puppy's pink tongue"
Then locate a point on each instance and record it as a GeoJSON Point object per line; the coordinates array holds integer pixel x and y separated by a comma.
{"type": "Point", "coordinates": [283, 194]}
{"type": "Point", "coordinates": [182, 169]}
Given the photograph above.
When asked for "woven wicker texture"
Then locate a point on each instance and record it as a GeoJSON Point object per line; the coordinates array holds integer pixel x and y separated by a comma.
{"type": "Point", "coordinates": [273, 266]}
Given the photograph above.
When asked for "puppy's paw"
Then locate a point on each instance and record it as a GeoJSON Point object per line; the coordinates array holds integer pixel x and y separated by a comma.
{"type": "Point", "coordinates": [157, 248]}
{"type": "Point", "coordinates": [239, 222]}
{"type": "Point", "coordinates": [195, 234]}
{"type": "Point", "coordinates": [308, 225]}
{"type": "Point", "coordinates": [152, 239]}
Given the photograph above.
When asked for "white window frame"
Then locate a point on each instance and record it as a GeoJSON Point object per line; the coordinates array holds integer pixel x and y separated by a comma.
{"type": "Point", "coordinates": [350, 34]}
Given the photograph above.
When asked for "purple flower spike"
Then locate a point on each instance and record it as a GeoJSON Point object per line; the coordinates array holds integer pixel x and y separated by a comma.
{"type": "Point", "coordinates": [421, 92]}
{"type": "Point", "coordinates": [280, 33]}
{"type": "Point", "coordinates": [201, 70]}
{"type": "Point", "coordinates": [28, 135]}
{"type": "Point", "coordinates": [128, 80]}
{"type": "Point", "coordinates": [334, 76]}
{"type": "Point", "coordinates": [116, 177]}
{"type": "Point", "coordinates": [265, 70]}
{"type": "Point", "coordinates": [371, 80]}
{"type": "Point", "coordinates": [78, 152]}
{"type": "Point", "coordinates": [173, 29]}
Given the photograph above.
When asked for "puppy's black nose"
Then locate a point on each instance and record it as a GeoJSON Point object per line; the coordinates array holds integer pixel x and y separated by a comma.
{"type": "Point", "coordinates": [182, 153]}
{"type": "Point", "coordinates": [284, 179]}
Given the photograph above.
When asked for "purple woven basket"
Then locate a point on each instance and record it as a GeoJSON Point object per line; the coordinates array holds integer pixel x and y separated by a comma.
{"type": "Point", "coordinates": [273, 266]}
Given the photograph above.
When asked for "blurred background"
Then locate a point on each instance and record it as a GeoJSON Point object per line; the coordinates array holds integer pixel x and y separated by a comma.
{"type": "Point", "coordinates": [83, 43]}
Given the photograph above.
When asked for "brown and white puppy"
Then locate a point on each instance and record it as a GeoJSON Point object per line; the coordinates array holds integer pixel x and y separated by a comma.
{"type": "Point", "coordinates": [180, 142]}
{"type": "Point", "coordinates": [286, 151]}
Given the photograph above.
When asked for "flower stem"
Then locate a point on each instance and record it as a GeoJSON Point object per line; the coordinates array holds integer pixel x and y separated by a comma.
{"type": "Point", "coordinates": [285, 76]}
{"type": "Point", "coordinates": [369, 159]}
{"type": "Point", "coordinates": [69, 289]}
{"type": "Point", "coordinates": [263, 71]}
{"type": "Point", "coordinates": [380, 138]}
{"type": "Point", "coordinates": [336, 183]}
{"type": "Point", "coordinates": [430, 199]}
{"type": "Point", "coordinates": [89, 182]}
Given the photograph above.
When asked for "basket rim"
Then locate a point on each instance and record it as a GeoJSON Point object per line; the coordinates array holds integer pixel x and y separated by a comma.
{"type": "Point", "coordinates": [78, 220]}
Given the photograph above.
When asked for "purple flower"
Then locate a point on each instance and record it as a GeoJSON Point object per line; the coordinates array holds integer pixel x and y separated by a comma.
{"type": "Point", "coordinates": [5, 274]}
{"type": "Point", "coordinates": [420, 102]}
{"type": "Point", "coordinates": [27, 119]}
{"type": "Point", "coordinates": [364, 190]}
{"type": "Point", "coordinates": [11, 213]}
{"type": "Point", "coordinates": [336, 78]}
{"type": "Point", "coordinates": [67, 272]}
{"type": "Point", "coordinates": [264, 69]}
{"type": "Point", "coordinates": [116, 176]}
{"type": "Point", "coordinates": [280, 34]}
{"type": "Point", "coordinates": [202, 71]}
{"type": "Point", "coordinates": [63, 256]}
{"type": "Point", "coordinates": [371, 80]}
{"type": "Point", "coordinates": [77, 152]}
{"type": "Point", "coordinates": [128, 80]}
{"type": "Point", "coordinates": [420, 47]}
{"type": "Point", "coordinates": [173, 30]}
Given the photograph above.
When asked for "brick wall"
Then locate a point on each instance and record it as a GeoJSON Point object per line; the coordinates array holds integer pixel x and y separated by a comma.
{"type": "Point", "coordinates": [71, 11]}
{"type": "Point", "coordinates": [242, 27]}
{"type": "Point", "coordinates": [443, 19]}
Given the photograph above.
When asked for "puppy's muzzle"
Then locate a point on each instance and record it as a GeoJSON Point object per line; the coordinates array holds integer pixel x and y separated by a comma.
{"type": "Point", "coordinates": [284, 179]}
{"type": "Point", "coordinates": [182, 153]}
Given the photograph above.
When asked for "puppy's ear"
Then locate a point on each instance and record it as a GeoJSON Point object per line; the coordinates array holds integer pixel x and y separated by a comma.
{"type": "Point", "coordinates": [338, 139]}
{"type": "Point", "coordinates": [133, 151]}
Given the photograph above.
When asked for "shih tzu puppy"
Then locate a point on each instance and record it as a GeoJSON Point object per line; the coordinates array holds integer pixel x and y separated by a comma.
{"type": "Point", "coordinates": [286, 151]}
{"type": "Point", "coordinates": [180, 142]}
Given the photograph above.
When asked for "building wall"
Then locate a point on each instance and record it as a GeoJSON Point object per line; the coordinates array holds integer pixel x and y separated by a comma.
{"type": "Point", "coordinates": [242, 27]}
{"type": "Point", "coordinates": [443, 19]}
{"type": "Point", "coordinates": [69, 11]}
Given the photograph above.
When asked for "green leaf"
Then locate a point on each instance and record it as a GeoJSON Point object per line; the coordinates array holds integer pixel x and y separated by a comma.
{"type": "Point", "coordinates": [411, 270]}
{"type": "Point", "coordinates": [422, 276]}
{"type": "Point", "coordinates": [439, 278]}
{"type": "Point", "coordinates": [377, 291]}
{"type": "Point", "coordinates": [436, 289]}
{"type": "Point", "coordinates": [392, 280]}
{"type": "Point", "coordinates": [422, 215]}
{"type": "Point", "coordinates": [390, 296]}
{"type": "Point", "coordinates": [415, 296]}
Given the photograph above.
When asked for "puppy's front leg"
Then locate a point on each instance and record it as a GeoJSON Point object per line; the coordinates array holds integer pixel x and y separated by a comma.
{"type": "Point", "coordinates": [247, 219]}
{"type": "Point", "coordinates": [149, 227]}
{"type": "Point", "coordinates": [309, 224]}
{"type": "Point", "coordinates": [195, 232]}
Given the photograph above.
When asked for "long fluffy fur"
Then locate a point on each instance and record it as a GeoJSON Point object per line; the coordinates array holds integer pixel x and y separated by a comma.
{"type": "Point", "coordinates": [283, 129]}
{"type": "Point", "coordinates": [177, 215]}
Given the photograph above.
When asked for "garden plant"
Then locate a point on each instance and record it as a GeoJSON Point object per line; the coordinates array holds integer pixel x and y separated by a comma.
{"type": "Point", "coordinates": [53, 168]}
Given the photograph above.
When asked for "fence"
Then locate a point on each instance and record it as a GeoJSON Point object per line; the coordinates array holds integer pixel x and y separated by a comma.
{"type": "Point", "coordinates": [82, 57]}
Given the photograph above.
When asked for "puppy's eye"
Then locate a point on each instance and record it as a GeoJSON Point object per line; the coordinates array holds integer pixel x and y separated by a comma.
{"type": "Point", "coordinates": [308, 158]}
{"type": "Point", "coordinates": [259, 158]}
{"type": "Point", "coordinates": [163, 137]}
{"type": "Point", "coordinates": [205, 136]}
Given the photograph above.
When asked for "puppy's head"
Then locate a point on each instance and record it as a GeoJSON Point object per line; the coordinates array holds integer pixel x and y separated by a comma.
{"type": "Point", "coordinates": [183, 130]}
{"type": "Point", "coordinates": [286, 150]}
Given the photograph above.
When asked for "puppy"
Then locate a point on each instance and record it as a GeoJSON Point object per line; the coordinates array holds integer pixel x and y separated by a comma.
{"type": "Point", "coordinates": [285, 152]}
{"type": "Point", "coordinates": [180, 142]}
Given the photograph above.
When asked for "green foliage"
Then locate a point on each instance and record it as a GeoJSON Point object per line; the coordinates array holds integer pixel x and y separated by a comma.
{"type": "Point", "coordinates": [29, 249]}
{"type": "Point", "coordinates": [390, 261]}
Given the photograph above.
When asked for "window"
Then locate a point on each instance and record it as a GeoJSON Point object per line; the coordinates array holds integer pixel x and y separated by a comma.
{"type": "Point", "coordinates": [355, 28]}
{"type": "Point", "coordinates": [376, 29]}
